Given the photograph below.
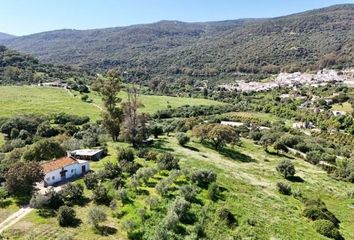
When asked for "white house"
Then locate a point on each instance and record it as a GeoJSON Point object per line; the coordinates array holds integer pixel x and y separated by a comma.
{"type": "Point", "coordinates": [87, 154]}
{"type": "Point", "coordinates": [64, 168]}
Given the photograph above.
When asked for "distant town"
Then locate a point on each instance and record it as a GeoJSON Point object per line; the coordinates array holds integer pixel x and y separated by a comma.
{"type": "Point", "coordinates": [296, 79]}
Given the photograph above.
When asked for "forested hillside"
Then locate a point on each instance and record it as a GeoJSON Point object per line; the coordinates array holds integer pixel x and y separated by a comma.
{"type": "Point", "coordinates": [212, 50]}
{"type": "Point", "coordinates": [18, 68]}
{"type": "Point", "coordinates": [5, 36]}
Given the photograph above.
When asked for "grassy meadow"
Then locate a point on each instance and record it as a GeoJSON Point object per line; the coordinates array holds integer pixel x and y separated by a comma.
{"type": "Point", "coordinates": [16, 100]}
{"type": "Point", "coordinates": [346, 107]}
{"type": "Point", "coordinates": [248, 175]}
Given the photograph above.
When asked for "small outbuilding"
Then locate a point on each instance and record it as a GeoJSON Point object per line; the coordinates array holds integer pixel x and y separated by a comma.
{"type": "Point", "coordinates": [87, 154]}
{"type": "Point", "coordinates": [64, 169]}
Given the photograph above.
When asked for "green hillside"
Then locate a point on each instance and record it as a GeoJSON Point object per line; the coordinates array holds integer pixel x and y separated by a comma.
{"type": "Point", "coordinates": [212, 50]}
{"type": "Point", "coordinates": [18, 68]}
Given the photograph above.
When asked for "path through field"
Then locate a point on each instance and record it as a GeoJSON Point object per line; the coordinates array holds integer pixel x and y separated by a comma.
{"type": "Point", "coordinates": [15, 217]}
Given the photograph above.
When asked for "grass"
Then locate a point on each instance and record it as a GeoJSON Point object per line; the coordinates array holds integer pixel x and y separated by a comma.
{"type": "Point", "coordinates": [250, 193]}
{"type": "Point", "coordinates": [153, 103]}
{"type": "Point", "coordinates": [2, 139]}
{"type": "Point", "coordinates": [346, 107]}
{"type": "Point", "coordinates": [17, 100]}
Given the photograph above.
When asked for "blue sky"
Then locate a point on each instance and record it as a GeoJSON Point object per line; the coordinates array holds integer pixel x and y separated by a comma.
{"type": "Point", "coordinates": [21, 17]}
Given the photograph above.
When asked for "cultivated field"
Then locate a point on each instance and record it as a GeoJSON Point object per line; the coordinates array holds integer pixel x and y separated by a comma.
{"type": "Point", "coordinates": [44, 100]}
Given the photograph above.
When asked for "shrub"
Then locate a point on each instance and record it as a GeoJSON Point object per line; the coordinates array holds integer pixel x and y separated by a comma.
{"type": "Point", "coordinates": [122, 195]}
{"type": "Point", "coordinates": [91, 181]}
{"type": "Point", "coordinates": [72, 193]}
{"type": "Point", "coordinates": [284, 188]}
{"type": "Point", "coordinates": [167, 161]}
{"type": "Point", "coordinates": [156, 130]}
{"type": "Point", "coordinates": [111, 170]}
{"type": "Point", "coordinates": [203, 177]}
{"type": "Point", "coordinates": [145, 173]}
{"type": "Point", "coordinates": [189, 192]}
{"type": "Point", "coordinates": [100, 195]}
{"type": "Point", "coordinates": [328, 229]}
{"type": "Point", "coordinates": [118, 182]}
{"type": "Point", "coordinates": [286, 168]}
{"type": "Point", "coordinates": [182, 138]}
{"type": "Point", "coordinates": [50, 200]}
{"type": "Point", "coordinates": [225, 215]}
{"type": "Point", "coordinates": [128, 167]}
{"type": "Point", "coordinates": [316, 209]}
{"type": "Point", "coordinates": [125, 154]}
{"type": "Point", "coordinates": [66, 216]}
{"type": "Point", "coordinates": [162, 187]}
{"type": "Point", "coordinates": [181, 207]}
{"type": "Point", "coordinates": [96, 216]}
{"type": "Point", "coordinates": [171, 221]}
{"type": "Point", "coordinates": [213, 191]}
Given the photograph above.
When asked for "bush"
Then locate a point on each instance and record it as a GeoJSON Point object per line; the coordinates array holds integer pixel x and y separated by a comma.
{"type": "Point", "coordinates": [111, 171]}
{"type": "Point", "coordinates": [66, 216]}
{"type": "Point", "coordinates": [125, 154]}
{"type": "Point", "coordinates": [72, 193]}
{"type": "Point", "coordinates": [96, 216]}
{"type": "Point", "coordinates": [167, 161]}
{"type": "Point", "coordinates": [316, 209]}
{"type": "Point", "coordinates": [286, 168]}
{"type": "Point", "coordinates": [181, 207]}
{"type": "Point", "coordinates": [284, 188]}
{"type": "Point", "coordinates": [182, 138]}
{"type": "Point", "coordinates": [225, 215]}
{"type": "Point", "coordinates": [213, 191]}
{"type": "Point", "coordinates": [328, 229]}
{"type": "Point", "coordinates": [162, 187]}
{"type": "Point", "coordinates": [122, 195]}
{"type": "Point", "coordinates": [91, 181]}
{"type": "Point", "coordinates": [188, 192]}
{"type": "Point", "coordinates": [203, 177]}
{"type": "Point", "coordinates": [100, 195]}
{"type": "Point", "coordinates": [145, 174]}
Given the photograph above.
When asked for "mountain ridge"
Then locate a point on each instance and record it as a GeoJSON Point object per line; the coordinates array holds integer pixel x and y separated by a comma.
{"type": "Point", "coordinates": [6, 36]}
{"type": "Point", "coordinates": [215, 50]}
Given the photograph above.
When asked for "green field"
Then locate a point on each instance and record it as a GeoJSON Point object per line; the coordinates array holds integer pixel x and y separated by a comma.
{"type": "Point", "coordinates": [42, 100]}
{"type": "Point", "coordinates": [250, 179]}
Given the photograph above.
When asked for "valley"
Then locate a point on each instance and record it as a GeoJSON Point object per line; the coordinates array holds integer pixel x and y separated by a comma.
{"type": "Point", "coordinates": [173, 130]}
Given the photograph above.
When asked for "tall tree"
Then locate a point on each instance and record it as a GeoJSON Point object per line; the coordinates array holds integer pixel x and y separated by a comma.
{"type": "Point", "coordinates": [109, 87]}
{"type": "Point", "coordinates": [22, 176]}
{"type": "Point", "coordinates": [134, 126]}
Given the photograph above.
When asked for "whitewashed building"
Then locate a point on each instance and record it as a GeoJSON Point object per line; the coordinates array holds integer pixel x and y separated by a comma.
{"type": "Point", "coordinates": [63, 169]}
{"type": "Point", "coordinates": [87, 154]}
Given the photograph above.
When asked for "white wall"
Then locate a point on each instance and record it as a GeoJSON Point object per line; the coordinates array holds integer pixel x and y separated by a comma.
{"type": "Point", "coordinates": [72, 171]}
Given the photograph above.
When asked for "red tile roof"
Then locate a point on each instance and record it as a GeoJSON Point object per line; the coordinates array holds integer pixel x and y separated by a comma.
{"type": "Point", "coordinates": [57, 164]}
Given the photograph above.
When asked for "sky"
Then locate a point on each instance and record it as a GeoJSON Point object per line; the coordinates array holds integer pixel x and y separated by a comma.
{"type": "Point", "coordinates": [22, 17]}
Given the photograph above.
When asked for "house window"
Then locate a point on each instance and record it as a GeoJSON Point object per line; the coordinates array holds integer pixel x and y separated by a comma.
{"type": "Point", "coordinates": [53, 178]}
{"type": "Point", "coordinates": [48, 178]}
{"type": "Point", "coordinates": [72, 170]}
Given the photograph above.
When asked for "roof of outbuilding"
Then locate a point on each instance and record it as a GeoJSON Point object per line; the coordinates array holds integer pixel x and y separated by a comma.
{"type": "Point", "coordinates": [57, 164]}
{"type": "Point", "coordinates": [86, 152]}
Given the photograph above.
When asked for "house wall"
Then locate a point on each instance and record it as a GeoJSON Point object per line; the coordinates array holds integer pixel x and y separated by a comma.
{"type": "Point", "coordinates": [73, 170]}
